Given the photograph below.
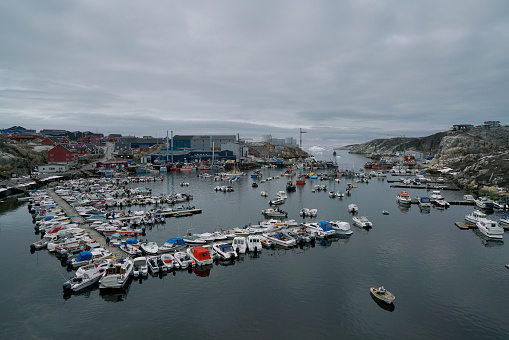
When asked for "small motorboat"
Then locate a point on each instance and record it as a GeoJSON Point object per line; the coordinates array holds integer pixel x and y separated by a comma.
{"type": "Point", "coordinates": [385, 212]}
{"type": "Point", "coordinates": [382, 294]}
{"type": "Point", "coordinates": [353, 208]}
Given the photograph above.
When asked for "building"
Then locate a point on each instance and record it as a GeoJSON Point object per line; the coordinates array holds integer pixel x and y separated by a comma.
{"type": "Point", "coordinates": [492, 124]}
{"type": "Point", "coordinates": [62, 155]}
{"type": "Point", "coordinates": [54, 141]}
{"type": "Point", "coordinates": [53, 132]}
{"type": "Point", "coordinates": [50, 168]}
{"type": "Point", "coordinates": [202, 142]}
{"type": "Point", "coordinates": [460, 127]}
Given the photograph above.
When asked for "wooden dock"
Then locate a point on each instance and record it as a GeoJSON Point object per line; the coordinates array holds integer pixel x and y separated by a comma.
{"type": "Point", "coordinates": [465, 226]}
{"type": "Point", "coordinates": [413, 186]}
{"type": "Point", "coordinates": [76, 218]}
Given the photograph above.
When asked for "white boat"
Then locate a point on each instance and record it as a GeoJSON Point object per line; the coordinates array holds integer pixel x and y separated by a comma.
{"type": "Point", "coordinates": [362, 222]}
{"type": "Point", "coordinates": [130, 250]}
{"type": "Point", "coordinates": [475, 216]}
{"type": "Point", "coordinates": [280, 240]}
{"type": "Point", "coordinates": [201, 255]}
{"type": "Point", "coordinates": [353, 208]}
{"type": "Point", "coordinates": [341, 227]}
{"type": "Point", "coordinates": [254, 243]}
{"type": "Point", "coordinates": [485, 203]}
{"type": "Point", "coordinates": [207, 237]}
{"type": "Point", "coordinates": [321, 229]}
{"type": "Point", "coordinates": [149, 248]}
{"type": "Point", "coordinates": [239, 244]}
{"type": "Point", "coordinates": [403, 198]}
{"type": "Point", "coordinates": [225, 251]}
{"type": "Point", "coordinates": [277, 201]}
{"type": "Point", "coordinates": [490, 228]}
{"type": "Point", "coordinates": [88, 279]}
{"type": "Point", "coordinates": [436, 195]}
{"type": "Point", "coordinates": [424, 202]}
{"type": "Point", "coordinates": [167, 262]}
{"type": "Point", "coordinates": [382, 294]}
{"type": "Point", "coordinates": [442, 204]}
{"type": "Point", "coordinates": [140, 266]}
{"type": "Point", "coordinates": [264, 193]}
{"type": "Point", "coordinates": [271, 212]}
{"type": "Point", "coordinates": [116, 274]}
{"type": "Point", "coordinates": [502, 205]}
{"type": "Point", "coordinates": [305, 212]}
{"type": "Point", "coordinates": [468, 198]}
{"type": "Point", "coordinates": [282, 194]}
{"type": "Point", "coordinates": [504, 220]}
{"type": "Point", "coordinates": [153, 263]}
{"type": "Point", "coordinates": [183, 260]}
{"type": "Point", "coordinates": [192, 238]}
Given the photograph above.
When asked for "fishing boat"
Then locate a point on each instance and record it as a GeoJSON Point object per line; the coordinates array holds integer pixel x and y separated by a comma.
{"type": "Point", "coordinates": [341, 227]}
{"type": "Point", "coordinates": [153, 264]}
{"type": "Point", "coordinates": [200, 255]}
{"type": "Point", "coordinates": [173, 243]}
{"type": "Point", "coordinates": [225, 251]}
{"type": "Point", "coordinates": [362, 222]}
{"type": "Point", "coordinates": [183, 260]}
{"type": "Point", "coordinates": [403, 198]}
{"type": "Point", "coordinates": [140, 266]}
{"type": "Point", "coordinates": [485, 202]}
{"type": "Point", "coordinates": [116, 274]}
{"type": "Point", "coordinates": [88, 279]}
{"type": "Point", "coordinates": [167, 262]}
{"type": "Point", "coordinates": [149, 248]}
{"type": "Point", "coordinates": [475, 216]}
{"type": "Point", "coordinates": [490, 228]}
{"type": "Point", "coordinates": [280, 240]}
{"type": "Point", "coordinates": [239, 244]}
{"type": "Point", "coordinates": [278, 213]}
{"type": "Point", "coordinates": [382, 294]}
{"type": "Point", "coordinates": [424, 202]}
{"type": "Point", "coordinates": [254, 243]}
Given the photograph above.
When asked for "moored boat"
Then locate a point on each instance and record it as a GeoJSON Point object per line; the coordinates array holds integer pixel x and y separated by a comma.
{"type": "Point", "coordinates": [362, 222]}
{"type": "Point", "coordinates": [116, 274]}
{"type": "Point", "coordinates": [490, 228]}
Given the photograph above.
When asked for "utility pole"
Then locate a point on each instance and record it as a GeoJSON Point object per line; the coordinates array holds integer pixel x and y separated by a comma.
{"type": "Point", "coordinates": [301, 132]}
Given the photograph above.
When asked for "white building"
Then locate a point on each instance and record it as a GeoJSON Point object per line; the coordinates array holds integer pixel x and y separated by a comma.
{"type": "Point", "coordinates": [51, 168]}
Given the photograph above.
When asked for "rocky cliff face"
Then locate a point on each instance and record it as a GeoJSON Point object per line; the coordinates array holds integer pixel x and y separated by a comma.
{"type": "Point", "coordinates": [18, 158]}
{"type": "Point", "coordinates": [478, 157]}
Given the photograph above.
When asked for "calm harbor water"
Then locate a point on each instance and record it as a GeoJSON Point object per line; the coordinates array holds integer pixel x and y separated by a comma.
{"type": "Point", "coordinates": [449, 283]}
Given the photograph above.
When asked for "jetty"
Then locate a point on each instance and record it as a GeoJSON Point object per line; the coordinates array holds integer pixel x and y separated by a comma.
{"type": "Point", "coordinates": [76, 218]}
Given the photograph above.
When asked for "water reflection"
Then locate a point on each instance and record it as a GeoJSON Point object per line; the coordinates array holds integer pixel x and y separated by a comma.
{"type": "Point", "coordinates": [202, 271]}
{"type": "Point", "coordinates": [86, 292]}
{"type": "Point", "coordinates": [115, 295]}
{"type": "Point", "coordinates": [486, 241]}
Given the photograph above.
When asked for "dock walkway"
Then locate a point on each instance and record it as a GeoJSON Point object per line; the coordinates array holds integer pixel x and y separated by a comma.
{"type": "Point", "coordinates": [76, 218]}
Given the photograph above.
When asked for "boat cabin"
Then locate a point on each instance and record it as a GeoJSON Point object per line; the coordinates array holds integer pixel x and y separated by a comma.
{"type": "Point", "coordinates": [201, 253]}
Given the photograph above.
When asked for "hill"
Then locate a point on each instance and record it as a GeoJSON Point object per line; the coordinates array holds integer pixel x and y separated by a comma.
{"type": "Point", "coordinates": [478, 157]}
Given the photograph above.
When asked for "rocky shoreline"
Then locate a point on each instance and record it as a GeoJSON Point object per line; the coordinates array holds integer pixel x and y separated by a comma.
{"type": "Point", "coordinates": [476, 159]}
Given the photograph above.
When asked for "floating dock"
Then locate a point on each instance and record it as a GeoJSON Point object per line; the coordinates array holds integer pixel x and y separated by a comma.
{"type": "Point", "coordinates": [465, 226]}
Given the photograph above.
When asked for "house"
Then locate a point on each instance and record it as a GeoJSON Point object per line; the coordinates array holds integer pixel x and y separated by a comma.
{"type": "Point", "coordinates": [25, 137]}
{"type": "Point", "coordinates": [60, 154]}
{"type": "Point", "coordinates": [53, 132]}
{"type": "Point", "coordinates": [50, 168]}
{"type": "Point", "coordinates": [113, 137]}
{"type": "Point", "coordinates": [54, 141]}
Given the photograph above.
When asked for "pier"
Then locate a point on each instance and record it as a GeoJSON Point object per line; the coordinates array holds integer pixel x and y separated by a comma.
{"type": "Point", "coordinates": [76, 218]}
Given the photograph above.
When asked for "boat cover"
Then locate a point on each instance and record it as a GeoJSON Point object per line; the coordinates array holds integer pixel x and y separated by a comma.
{"type": "Point", "coordinates": [177, 240]}
{"type": "Point", "coordinates": [225, 246]}
{"type": "Point", "coordinates": [326, 226]}
{"type": "Point", "coordinates": [201, 253]}
{"type": "Point", "coordinates": [131, 241]}
{"type": "Point", "coordinates": [84, 256]}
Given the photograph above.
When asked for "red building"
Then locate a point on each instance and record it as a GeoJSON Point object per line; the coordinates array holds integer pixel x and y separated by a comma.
{"type": "Point", "coordinates": [60, 154]}
{"type": "Point", "coordinates": [54, 140]}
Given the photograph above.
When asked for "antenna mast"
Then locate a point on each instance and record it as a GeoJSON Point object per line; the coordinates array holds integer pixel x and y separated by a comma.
{"type": "Point", "coordinates": [301, 132]}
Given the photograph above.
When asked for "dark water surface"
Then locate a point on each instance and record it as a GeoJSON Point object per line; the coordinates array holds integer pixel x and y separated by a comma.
{"type": "Point", "coordinates": [449, 283]}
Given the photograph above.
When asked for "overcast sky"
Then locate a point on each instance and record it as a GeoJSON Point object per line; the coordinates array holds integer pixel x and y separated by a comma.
{"type": "Point", "coordinates": [344, 71]}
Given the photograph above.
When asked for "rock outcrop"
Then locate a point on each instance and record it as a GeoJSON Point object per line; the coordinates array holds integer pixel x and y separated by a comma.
{"type": "Point", "coordinates": [478, 157]}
